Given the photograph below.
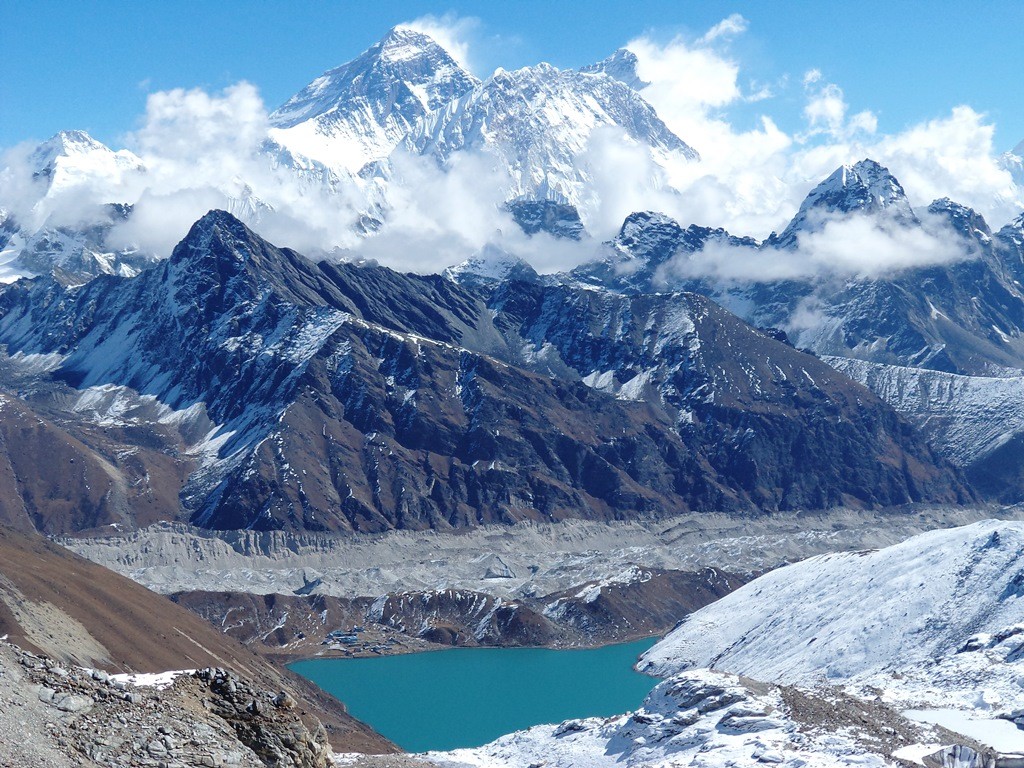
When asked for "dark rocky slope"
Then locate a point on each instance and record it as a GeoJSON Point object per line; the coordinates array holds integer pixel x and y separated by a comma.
{"type": "Point", "coordinates": [61, 717]}
{"type": "Point", "coordinates": [638, 603]}
{"type": "Point", "coordinates": [357, 398]}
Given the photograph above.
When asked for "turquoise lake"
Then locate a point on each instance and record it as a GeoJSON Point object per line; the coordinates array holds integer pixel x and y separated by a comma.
{"type": "Point", "coordinates": [465, 697]}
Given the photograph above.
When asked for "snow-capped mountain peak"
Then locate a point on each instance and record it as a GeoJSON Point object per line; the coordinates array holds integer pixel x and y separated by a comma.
{"type": "Point", "coordinates": [539, 122]}
{"type": "Point", "coordinates": [73, 158]}
{"type": "Point", "coordinates": [49, 227]}
{"type": "Point", "coordinates": [621, 65]}
{"type": "Point", "coordinates": [65, 143]}
{"type": "Point", "coordinates": [490, 267]}
{"type": "Point", "coordinates": [963, 219]}
{"type": "Point", "coordinates": [865, 187]}
{"type": "Point", "coordinates": [1013, 163]}
{"type": "Point", "coordinates": [357, 113]}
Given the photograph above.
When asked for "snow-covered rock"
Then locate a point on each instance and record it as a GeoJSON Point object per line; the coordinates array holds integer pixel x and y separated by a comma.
{"type": "Point", "coordinates": [622, 66]}
{"type": "Point", "coordinates": [964, 417]}
{"type": "Point", "coordinates": [538, 121]}
{"type": "Point", "coordinates": [489, 268]}
{"type": "Point", "coordinates": [708, 718]}
{"type": "Point", "coordinates": [909, 654]}
{"type": "Point", "coordinates": [358, 112]}
{"type": "Point", "coordinates": [936, 622]}
{"type": "Point", "coordinates": [865, 187]}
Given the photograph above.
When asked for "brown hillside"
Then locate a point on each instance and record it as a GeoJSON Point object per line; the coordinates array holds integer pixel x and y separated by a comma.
{"type": "Point", "coordinates": [56, 603]}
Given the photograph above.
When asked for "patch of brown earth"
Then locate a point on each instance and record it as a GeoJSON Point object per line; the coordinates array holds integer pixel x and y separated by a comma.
{"type": "Point", "coordinates": [641, 602]}
{"type": "Point", "coordinates": [127, 628]}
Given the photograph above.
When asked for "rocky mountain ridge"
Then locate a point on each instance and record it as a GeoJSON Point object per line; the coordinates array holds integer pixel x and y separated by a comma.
{"type": "Point", "coordinates": [632, 604]}
{"type": "Point", "coordinates": [354, 398]}
{"type": "Point", "coordinates": [963, 315]}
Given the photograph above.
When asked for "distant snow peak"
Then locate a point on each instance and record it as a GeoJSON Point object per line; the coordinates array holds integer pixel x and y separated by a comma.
{"type": "Point", "coordinates": [864, 187]}
{"type": "Point", "coordinates": [490, 267]}
{"type": "Point", "coordinates": [73, 158]}
{"type": "Point", "coordinates": [65, 196]}
{"type": "Point", "coordinates": [538, 121]}
{"type": "Point", "coordinates": [65, 143]}
{"type": "Point", "coordinates": [622, 65]}
{"type": "Point", "coordinates": [357, 113]}
{"type": "Point", "coordinates": [964, 220]}
{"type": "Point", "coordinates": [73, 146]}
{"type": "Point", "coordinates": [1013, 163]}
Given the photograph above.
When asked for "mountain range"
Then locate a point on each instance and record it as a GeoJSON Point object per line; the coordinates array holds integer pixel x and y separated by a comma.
{"type": "Point", "coordinates": [294, 441]}
{"type": "Point", "coordinates": [342, 397]}
{"type": "Point", "coordinates": [277, 392]}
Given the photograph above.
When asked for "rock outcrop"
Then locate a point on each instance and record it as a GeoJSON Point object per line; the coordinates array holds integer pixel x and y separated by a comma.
{"type": "Point", "coordinates": [209, 717]}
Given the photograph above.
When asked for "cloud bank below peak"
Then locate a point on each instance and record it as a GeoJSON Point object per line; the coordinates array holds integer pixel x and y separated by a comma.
{"type": "Point", "coordinates": [752, 180]}
{"type": "Point", "coordinates": [204, 149]}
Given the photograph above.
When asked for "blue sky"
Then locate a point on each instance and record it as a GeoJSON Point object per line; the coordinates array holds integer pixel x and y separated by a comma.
{"type": "Point", "coordinates": [91, 65]}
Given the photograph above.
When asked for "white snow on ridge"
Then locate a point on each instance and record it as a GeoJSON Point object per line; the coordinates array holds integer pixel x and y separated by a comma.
{"type": "Point", "coordinates": [963, 417]}
{"type": "Point", "coordinates": [158, 680]}
{"type": "Point", "coordinates": [935, 622]}
{"type": "Point", "coordinates": [875, 649]}
{"type": "Point", "coordinates": [10, 267]}
{"type": "Point", "coordinates": [698, 718]}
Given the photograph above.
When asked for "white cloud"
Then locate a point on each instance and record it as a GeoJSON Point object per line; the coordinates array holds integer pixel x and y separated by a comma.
{"type": "Point", "coordinates": [728, 27]}
{"type": "Point", "coordinates": [452, 32]}
{"type": "Point", "coordinates": [204, 149]}
{"type": "Point", "coordinates": [752, 181]}
{"type": "Point", "coordinates": [739, 181]}
{"type": "Point", "coordinates": [686, 79]}
{"type": "Point", "coordinates": [826, 110]}
{"type": "Point", "coordinates": [853, 246]}
{"type": "Point", "coordinates": [194, 136]}
{"type": "Point", "coordinates": [624, 178]}
{"type": "Point", "coordinates": [440, 217]}
{"type": "Point", "coordinates": [953, 156]}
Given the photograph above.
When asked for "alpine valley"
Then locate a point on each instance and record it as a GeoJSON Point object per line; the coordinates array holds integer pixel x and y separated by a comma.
{"type": "Point", "coordinates": [255, 446]}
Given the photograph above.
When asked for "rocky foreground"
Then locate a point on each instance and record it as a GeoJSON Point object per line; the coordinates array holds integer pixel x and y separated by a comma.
{"type": "Point", "coordinates": [708, 718]}
{"type": "Point", "coordinates": [57, 715]}
{"type": "Point", "coordinates": [73, 614]}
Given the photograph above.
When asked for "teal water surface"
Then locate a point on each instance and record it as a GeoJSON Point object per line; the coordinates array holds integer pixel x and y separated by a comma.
{"type": "Point", "coordinates": [465, 697]}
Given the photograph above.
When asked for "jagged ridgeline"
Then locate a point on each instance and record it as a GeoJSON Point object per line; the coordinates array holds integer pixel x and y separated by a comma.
{"type": "Point", "coordinates": [961, 314]}
{"type": "Point", "coordinates": [278, 393]}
